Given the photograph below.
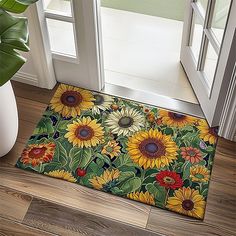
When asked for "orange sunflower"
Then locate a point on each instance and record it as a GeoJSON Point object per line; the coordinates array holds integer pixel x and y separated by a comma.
{"type": "Point", "coordinates": [191, 154]}
{"type": "Point", "coordinates": [152, 148]}
{"type": "Point", "coordinates": [70, 101]}
{"type": "Point", "coordinates": [208, 134]}
{"type": "Point", "coordinates": [112, 149]}
{"type": "Point", "coordinates": [36, 154]}
{"type": "Point", "coordinates": [174, 119]}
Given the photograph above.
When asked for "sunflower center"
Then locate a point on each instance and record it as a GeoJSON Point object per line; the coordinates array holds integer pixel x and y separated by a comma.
{"type": "Point", "coordinates": [99, 99]}
{"type": "Point", "coordinates": [191, 153]}
{"type": "Point", "coordinates": [152, 148]}
{"type": "Point", "coordinates": [37, 152]}
{"type": "Point", "coordinates": [188, 205]}
{"type": "Point", "coordinates": [199, 176]}
{"type": "Point", "coordinates": [71, 98]}
{"type": "Point", "coordinates": [84, 132]}
{"type": "Point", "coordinates": [176, 116]}
{"type": "Point", "coordinates": [213, 131]}
{"type": "Point", "coordinates": [109, 149]}
{"type": "Point", "coordinates": [125, 122]}
{"type": "Point", "coordinates": [169, 180]}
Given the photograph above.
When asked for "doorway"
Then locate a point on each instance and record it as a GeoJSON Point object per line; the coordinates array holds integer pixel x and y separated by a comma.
{"type": "Point", "coordinates": [139, 74]}
{"type": "Point", "coordinates": [142, 44]}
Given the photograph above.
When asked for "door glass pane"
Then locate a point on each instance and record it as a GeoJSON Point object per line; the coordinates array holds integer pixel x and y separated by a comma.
{"type": "Point", "coordinates": [210, 64]}
{"type": "Point", "coordinates": [61, 36]}
{"type": "Point", "coordinates": [196, 36]}
{"type": "Point", "coordinates": [62, 7]}
{"type": "Point", "coordinates": [203, 6]}
{"type": "Point", "coordinates": [220, 15]}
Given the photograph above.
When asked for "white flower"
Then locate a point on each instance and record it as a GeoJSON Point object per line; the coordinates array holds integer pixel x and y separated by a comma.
{"type": "Point", "coordinates": [102, 102]}
{"type": "Point", "coordinates": [125, 122]}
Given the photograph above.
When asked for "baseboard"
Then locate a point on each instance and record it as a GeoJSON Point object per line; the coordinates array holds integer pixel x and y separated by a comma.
{"type": "Point", "coordinates": [26, 78]}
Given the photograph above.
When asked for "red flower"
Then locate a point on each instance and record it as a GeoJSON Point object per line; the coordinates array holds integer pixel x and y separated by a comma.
{"type": "Point", "coordinates": [169, 179]}
{"type": "Point", "coordinates": [81, 172]}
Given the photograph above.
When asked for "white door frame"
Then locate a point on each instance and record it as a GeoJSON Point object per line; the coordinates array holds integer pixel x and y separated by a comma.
{"type": "Point", "coordinates": [211, 101]}
{"type": "Point", "coordinates": [85, 69]}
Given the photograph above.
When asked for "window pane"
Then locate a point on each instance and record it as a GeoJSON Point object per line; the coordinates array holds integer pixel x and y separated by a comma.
{"type": "Point", "coordinates": [220, 15]}
{"type": "Point", "coordinates": [58, 6]}
{"type": "Point", "coordinates": [61, 35]}
{"type": "Point", "coordinates": [210, 64]}
{"type": "Point", "coordinates": [196, 36]}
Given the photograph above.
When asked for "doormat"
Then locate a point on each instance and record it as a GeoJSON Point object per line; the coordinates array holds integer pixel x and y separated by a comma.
{"type": "Point", "coordinates": [125, 148]}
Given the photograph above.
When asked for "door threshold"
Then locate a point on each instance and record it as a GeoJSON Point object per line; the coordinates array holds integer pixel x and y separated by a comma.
{"type": "Point", "coordinates": [154, 99]}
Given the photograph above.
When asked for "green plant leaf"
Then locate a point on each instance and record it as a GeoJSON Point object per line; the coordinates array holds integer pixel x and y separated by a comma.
{"type": "Point", "coordinates": [125, 175]}
{"type": "Point", "coordinates": [158, 191]}
{"type": "Point", "coordinates": [14, 36]}
{"type": "Point", "coordinates": [131, 185]}
{"type": "Point", "coordinates": [86, 158]}
{"type": "Point", "coordinates": [62, 154]}
{"type": "Point", "coordinates": [44, 126]}
{"type": "Point", "coordinates": [16, 6]}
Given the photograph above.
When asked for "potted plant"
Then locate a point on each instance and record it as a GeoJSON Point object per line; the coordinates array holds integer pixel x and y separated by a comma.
{"type": "Point", "coordinates": [14, 37]}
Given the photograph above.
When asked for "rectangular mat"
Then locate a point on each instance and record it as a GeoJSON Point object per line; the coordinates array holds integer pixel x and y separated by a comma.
{"type": "Point", "coordinates": [125, 148]}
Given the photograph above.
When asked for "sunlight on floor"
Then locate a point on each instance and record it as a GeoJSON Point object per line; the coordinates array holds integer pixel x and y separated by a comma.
{"type": "Point", "coordinates": [142, 52]}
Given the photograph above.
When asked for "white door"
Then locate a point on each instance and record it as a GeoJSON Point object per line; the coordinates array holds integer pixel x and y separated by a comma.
{"type": "Point", "coordinates": [72, 34]}
{"type": "Point", "coordinates": [206, 53]}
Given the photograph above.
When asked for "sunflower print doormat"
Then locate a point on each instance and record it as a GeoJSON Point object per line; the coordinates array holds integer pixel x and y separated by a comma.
{"type": "Point", "coordinates": [125, 148]}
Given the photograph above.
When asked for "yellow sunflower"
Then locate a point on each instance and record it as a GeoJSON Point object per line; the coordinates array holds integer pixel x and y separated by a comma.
{"type": "Point", "coordinates": [152, 148]}
{"type": "Point", "coordinates": [106, 181]}
{"type": "Point", "coordinates": [70, 101]}
{"type": "Point", "coordinates": [199, 173]}
{"type": "Point", "coordinates": [146, 197]}
{"type": "Point", "coordinates": [207, 133]}
{"type": "Point", "coordinates": [187, 201]}
{"type": "Point", "coordinates": [112, 149]}
{"type": "Point", "coordinates": [61, 174]}
{"type": "Point", "coordinates": [174, 119]}
{"type": "Point", "coordinates": [85, 133]}
{"type": "Point", "coordinates": [36, 154]}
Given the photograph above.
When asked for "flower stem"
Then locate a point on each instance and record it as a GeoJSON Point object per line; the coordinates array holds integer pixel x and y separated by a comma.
{"type": "Point", "coordinates": [167, 194]}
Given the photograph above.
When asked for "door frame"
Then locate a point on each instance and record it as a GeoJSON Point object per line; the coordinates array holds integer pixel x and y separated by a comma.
{"type": "Point", "coordinates": [224, 71]}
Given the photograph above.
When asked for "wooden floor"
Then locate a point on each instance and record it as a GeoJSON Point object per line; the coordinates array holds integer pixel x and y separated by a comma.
{"type": "Point", "coordinates": [33, 204]}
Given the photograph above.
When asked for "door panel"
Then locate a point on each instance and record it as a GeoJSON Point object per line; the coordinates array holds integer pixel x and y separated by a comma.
{"type": "Point", "coordinates": [207, 37]}
{"type": "Point", "coordinates": [73, 35]}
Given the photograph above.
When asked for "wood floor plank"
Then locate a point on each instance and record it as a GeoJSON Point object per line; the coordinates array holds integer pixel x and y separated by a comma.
{"type": "Point", "coordinates": [29, 110]}
{"type": "Point", "coordinates": [66, 221]}
{"type": "Point", "coordinates": [13, 205]}
{"type": "Point", "coordinates": [11, 228]}
{"type": "Point", "coordinates": [11, 158]}
{"type": "Point", "coordinates": [33, 93]}
{"type": "Point", "coordinates": [220, 217]}
{"type": "Point", "coordinates": [76, 196]}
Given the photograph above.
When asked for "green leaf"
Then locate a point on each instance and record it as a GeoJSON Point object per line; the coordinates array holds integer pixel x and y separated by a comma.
{"type": "Point", "coordinates": [105, 158]}
{"type": "Point", "coordinates": [62, 126]}
{"type": "Point", "coordinates": [16, 6]}
{"type": "Point", "coordinates": [44, 127]}
{"type": "Point", "coordinates": [95, 168]}
{"type": "Point", "coordinates": [131, 185]}
{"type": "Point", "coordinates": [125, 175]}
{"type": "Point", "coordinates": [117, 191]}
{"type": "Point", "coordinates": [14, 35]}
{"type": "Point", "coordinates": [185, 169]}
{"type": "Point", "coordinates": [52, 166]}
{"type": "Point", "coordinates": [86, 158]}
{"type": "Point", "coordinates": [62, 154]}
{"type": "Point", "coordinates": [158, 191]}
{"type": "Point", "coordinates": [210, 149]}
